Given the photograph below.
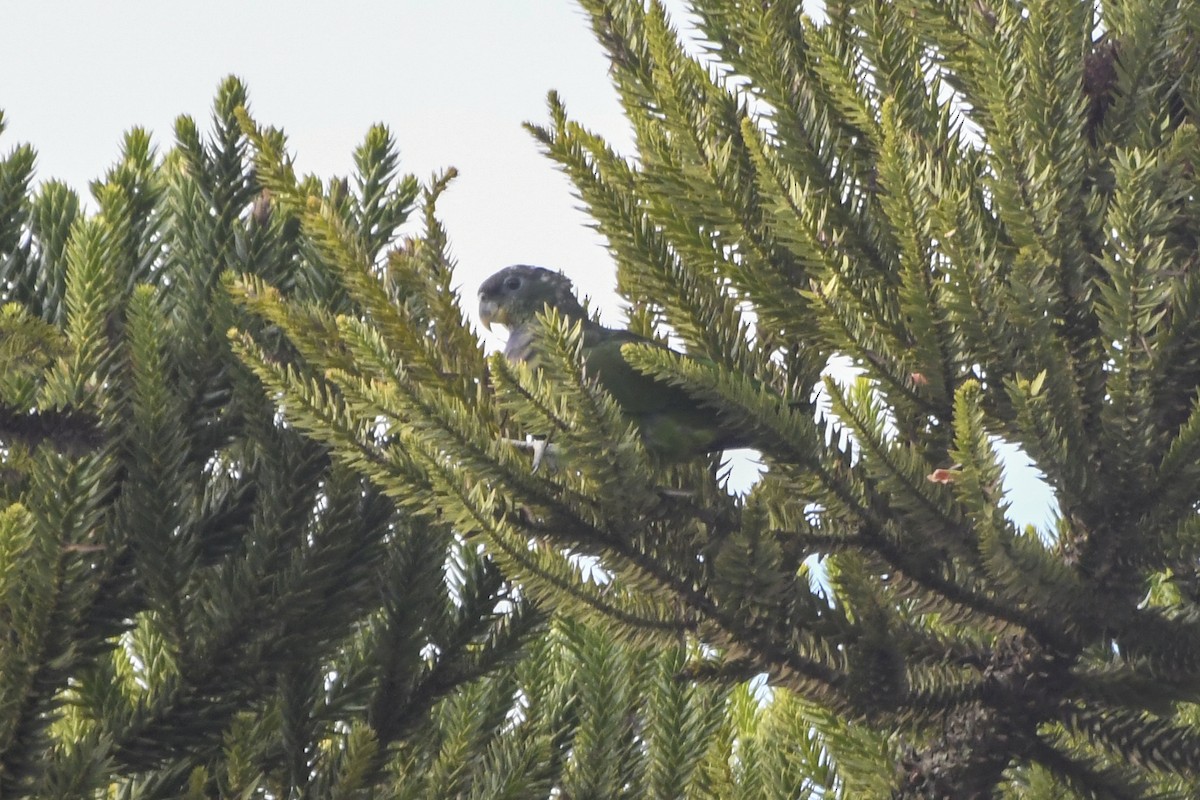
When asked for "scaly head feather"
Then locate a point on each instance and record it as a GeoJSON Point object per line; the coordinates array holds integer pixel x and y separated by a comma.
{"type": "Point", "coordinates": [515, 294]}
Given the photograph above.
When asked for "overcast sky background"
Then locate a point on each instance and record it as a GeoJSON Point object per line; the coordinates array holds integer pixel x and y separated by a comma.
{"type": "Point", "coordinates": [453, 79]}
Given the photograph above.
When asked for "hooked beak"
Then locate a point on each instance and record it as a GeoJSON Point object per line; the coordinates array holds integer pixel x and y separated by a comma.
{"type": "Point", "coordinates": [487, 312]}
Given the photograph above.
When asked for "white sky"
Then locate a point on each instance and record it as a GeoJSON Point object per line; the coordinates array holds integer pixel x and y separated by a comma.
{"type": "Point", "coordinates": [453, 79]}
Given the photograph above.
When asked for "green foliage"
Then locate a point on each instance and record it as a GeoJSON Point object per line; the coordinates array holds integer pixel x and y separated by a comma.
{"type": "Point", "coordinates": [991, 210]}
{"type": "Point", "coordinates": [195, 600]}
{"type": "Point", "coordinates": [198, 601]}
{"type": "Point", "coordinates": [265, 531]}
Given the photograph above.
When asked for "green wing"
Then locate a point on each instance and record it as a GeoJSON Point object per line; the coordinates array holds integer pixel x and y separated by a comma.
{"type": "Point", "coordinates": [636, 393]}
{"type": "Point", "coordinates": [672, 423]}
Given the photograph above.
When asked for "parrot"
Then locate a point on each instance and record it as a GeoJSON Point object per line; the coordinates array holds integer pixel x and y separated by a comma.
{"type": "Point", "coordinates": [673, 425]}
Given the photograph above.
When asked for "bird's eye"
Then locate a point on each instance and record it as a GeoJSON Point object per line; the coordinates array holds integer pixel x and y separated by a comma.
{"type": "Point", "coordinates": [512, 284]}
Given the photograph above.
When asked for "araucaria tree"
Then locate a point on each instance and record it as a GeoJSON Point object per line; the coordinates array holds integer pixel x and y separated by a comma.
{"type": "Point", "coordinates": [270, 527]}
{"type": "Point", "coordinates": [195, 600]}
{"type": "Point", "coordinates": [991, 209]}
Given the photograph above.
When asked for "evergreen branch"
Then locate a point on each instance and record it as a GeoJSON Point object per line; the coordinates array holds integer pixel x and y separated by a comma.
{"type": "Point", "coordinates": [1018, 567]}
{"type": "Point", "coordinates": [648, 265]}
{"type": "Point", "coordinates": [782, 433]}
{"type": "Point", "coordinates": [903, 189]}
{"type": "Point", "coordinates": [1165, 641]}
{"type": "Point", "coordinates": [1054, 442]}
{"type": "Point", "coordinates": [478, 510]}
{"type": "Point", "coordinates": [476, 505]}
{"type": "Point", "coordinates": [904, 474]}
{"type": "Point", "coordinates": [1144, 741]}
{"type": "Point", "coordinates": [1133, 299]}
{"type": "Point", "coordinates": [1089, 777]}
{"type": "Point", "coordinates": [859, 332]}
{"type": "Point", "coordinates": [1144, 70]}
{"type": "Point", "coordinates": [385, 203]}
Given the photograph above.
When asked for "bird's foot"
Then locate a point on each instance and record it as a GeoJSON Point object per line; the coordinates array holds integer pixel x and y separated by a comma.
{"type": "Point", "coordinates": [542, 450]}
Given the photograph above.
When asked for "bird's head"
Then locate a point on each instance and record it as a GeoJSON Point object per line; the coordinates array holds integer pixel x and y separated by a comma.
{"type": "Point", "coordinates": [514, 295]}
